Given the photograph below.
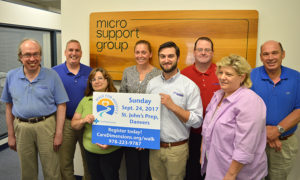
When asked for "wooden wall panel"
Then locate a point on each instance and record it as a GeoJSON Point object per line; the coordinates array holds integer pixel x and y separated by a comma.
{"type": "Point", "coordinates": [232, 31]}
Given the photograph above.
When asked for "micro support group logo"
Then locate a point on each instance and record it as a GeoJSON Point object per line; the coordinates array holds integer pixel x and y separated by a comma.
{"type": "Point", "coordinates": [106, 106]}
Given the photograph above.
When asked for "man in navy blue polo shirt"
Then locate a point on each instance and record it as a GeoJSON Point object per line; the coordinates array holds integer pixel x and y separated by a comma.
{"type": "Point", "coordinates": [74, 76]}
{"type": "Point", "coordinates": [279, 87]}
{"type": "Point", "coordinates": [35, 112]}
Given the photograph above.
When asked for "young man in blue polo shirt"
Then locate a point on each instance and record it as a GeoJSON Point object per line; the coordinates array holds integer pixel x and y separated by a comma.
{"type": "Point", "coordinates": [74, 76]}
{"type": "Point", "coordinates": [279, 87]}
{"type": "Point", "coordinates": [35, 113]}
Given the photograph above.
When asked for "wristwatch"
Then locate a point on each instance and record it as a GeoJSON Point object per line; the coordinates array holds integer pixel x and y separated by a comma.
{"type": "Point", "coordinates": [280, 129]}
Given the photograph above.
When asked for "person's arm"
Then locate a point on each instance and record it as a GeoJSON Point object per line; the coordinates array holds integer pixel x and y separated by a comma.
{"type": "Point", "coordinates": [250, 131]}
{"type": "Point", "coordinates": [78, 122]}
{"type": "Point", "coordinates": [10, 127]}
{"type": "Point", "coordinates": [287, 123]}
{"type": "Point", "coordinates": [103, 146]}
{"type": "Point", "coordinates": [290, 121]}
{"type": "Point", "coordinates": [60, 121]}
{"type": "Point", "coordinates": [233, 171]}
{"type": "Point", "coordinates": [192, 113]}
{"type": "Point", "coordinates": [182, 114]}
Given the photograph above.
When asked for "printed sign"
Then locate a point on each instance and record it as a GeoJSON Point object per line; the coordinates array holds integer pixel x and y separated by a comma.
{"type": "Point", "coordinates": [126, 119]}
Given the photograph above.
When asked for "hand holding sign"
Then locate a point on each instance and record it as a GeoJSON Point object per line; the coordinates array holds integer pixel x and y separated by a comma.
{"type": "Point", "coordinates": [89, 118]}
{"type": "Point", "coordinates": [103, 146]}
{"type": "Point", "coordinates": [166, 100]}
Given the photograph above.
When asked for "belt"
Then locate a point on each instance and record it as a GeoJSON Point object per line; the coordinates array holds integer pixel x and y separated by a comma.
{"type": "Point", "coordinates": [35, 119]}
{"type": "Point", "coordinates": [170, 144]}
{"type": "Point", "coordinates": [285, 137]}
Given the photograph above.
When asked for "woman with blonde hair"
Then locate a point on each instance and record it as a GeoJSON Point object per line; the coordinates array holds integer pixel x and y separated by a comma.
{"type": "Point", "coordinates": [234, 129]}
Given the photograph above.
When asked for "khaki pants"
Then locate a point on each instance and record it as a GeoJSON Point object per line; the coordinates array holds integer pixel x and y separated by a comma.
{"type": "Point", "coordinates": [169, 163]}
{"type": "Point", "coordinates": [33, 139]}
{"type": "Point", "coordinates": [67, 151]}
{"type": "Point", "coordinates": [280, 163]}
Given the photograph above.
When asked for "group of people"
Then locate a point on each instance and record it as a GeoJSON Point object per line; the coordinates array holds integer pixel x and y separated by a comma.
{"type": "Point", "coordinates": [248, 117]}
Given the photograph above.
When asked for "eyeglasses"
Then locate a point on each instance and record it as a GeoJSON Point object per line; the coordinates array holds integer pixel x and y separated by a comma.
{"type": "Point", "coordinates": [207, 50]}
{"type": "Point", "coordinates": [101, 79]}
{"type": "Point", "coordinates": [27, 55]}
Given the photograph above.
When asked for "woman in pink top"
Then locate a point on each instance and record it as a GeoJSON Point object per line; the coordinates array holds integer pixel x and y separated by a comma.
{"type": "Point", "coordinates": [234, 129]}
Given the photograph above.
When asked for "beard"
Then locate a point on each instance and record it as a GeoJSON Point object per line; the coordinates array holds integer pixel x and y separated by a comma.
{"type": "Point", "coordinates": [173, 67]}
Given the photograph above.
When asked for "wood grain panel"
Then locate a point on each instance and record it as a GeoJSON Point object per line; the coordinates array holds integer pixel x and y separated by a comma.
{"type": "Point", "coordinates": [232, 31]}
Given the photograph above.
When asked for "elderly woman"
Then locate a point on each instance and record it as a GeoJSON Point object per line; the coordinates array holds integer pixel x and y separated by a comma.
{"type": "Point", "coordinates": [234, 132]}
{"type": "Point", "coordinates": [103, 160]}
{"type": "Point", "coordinates": [135, 80]}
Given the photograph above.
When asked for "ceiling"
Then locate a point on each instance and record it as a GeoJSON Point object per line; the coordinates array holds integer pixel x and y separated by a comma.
{"type": "Point", "coordinates": [48, 5]}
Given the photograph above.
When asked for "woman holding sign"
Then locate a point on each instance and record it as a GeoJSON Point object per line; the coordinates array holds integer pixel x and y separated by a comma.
{"type": "Point", "coordinates": [234, 128]}
{"type": "Point", "coordinates": [103, 160]}
{"type": "Point", "coordinates": [135, 80]}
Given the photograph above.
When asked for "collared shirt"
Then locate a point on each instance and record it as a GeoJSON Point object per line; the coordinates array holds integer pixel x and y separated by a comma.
{"type": "Point", "coordinates": [131, 80]}
{"type": "Point", "coordinates": [185, 94]}
{"type": "Point", "coordinates": [75, 85]}
{"type": "Point", "coordinates": [235, 131]}
{"type": "Point", "coordinates": [207, 82]}
{"type": "Point", "coordinates": [33, 99]}
{"type": "Point", "coordinates": [282, 98]}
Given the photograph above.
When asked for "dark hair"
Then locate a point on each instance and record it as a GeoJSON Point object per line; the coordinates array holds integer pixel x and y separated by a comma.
{"type": "Point", "coordinates": [280, 45]}
{"type": "Point", "coordinates": [205, 39]}
{"type": "Point", "coordinates": [22, 42]}
{"type": "Point", "coordinates": [73, 41]}
{"type": "Point", "coordinates": [170, 44]}
{"type": "Point", "coordinates": [143, 42]}
{"type": "Point", "coordinates": [110, 85]}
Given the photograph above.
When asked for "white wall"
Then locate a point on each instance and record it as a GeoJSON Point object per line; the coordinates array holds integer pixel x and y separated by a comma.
{"type": "Point", "coordinates": [278, 20]}
{"type": "Point", "coordinates": [22, 15]}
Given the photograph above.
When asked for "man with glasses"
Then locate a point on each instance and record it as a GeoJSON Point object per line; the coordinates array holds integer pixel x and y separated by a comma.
{"type": "Point", "coordinates": [35, 113]}
{"type": "Point", "coordinates": [74, 76]}
{"type": "Point", "coordinates": [203, 73]}
{"type": "Point", "coordinates": [181, 109]}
